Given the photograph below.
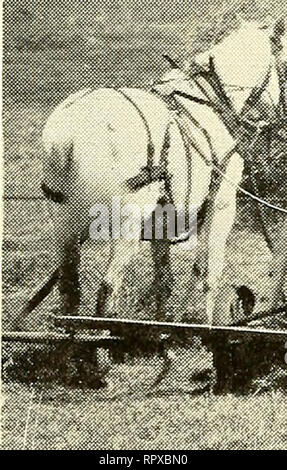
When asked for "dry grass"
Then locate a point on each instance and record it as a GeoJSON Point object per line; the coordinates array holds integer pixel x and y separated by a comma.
{"type": "Point", "coordinates": [130, 413]}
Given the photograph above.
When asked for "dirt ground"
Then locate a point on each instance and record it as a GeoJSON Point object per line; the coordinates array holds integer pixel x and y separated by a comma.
{"type": "Point", "coordinates": [182, 412]}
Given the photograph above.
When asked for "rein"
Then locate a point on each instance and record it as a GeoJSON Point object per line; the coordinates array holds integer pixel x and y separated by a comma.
{"type": "Point", "coordinates": [221, 172]}
{"type": "Point", "coordinates": [150, 146]}
{"type": "Point", "coordinates": [210, 84]}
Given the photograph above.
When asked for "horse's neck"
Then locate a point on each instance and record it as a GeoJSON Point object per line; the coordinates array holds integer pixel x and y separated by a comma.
{"type": "Point", "coordinates": [268, 102]}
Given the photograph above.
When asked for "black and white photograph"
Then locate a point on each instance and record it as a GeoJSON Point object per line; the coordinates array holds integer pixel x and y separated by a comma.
{"type": "Point", "coordinates": [144, 227]}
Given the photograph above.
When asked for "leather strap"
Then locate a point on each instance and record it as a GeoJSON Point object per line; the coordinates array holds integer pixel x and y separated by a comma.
{"type": "Point", "coordinates": [150, 146]}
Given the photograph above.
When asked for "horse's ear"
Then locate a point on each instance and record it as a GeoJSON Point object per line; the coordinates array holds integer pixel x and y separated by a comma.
{"type": "Point", "coordinates": [279, 28]}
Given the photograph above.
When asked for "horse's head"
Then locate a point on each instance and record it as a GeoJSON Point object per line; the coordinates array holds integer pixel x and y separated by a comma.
{"type": "Point", "coordinates": [248, 59]}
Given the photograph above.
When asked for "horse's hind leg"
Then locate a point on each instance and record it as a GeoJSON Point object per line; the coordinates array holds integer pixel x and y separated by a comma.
{"type": "Point", "coordinates": [105, 290]}
{"type": "Point", "coordinates": [125, 248]}
{"type": "Point", "coordinates": [163, 278]}
{"type": "Point", "coordinates": [122, 252]}
{"type": "Point", "coordinates": [69, 283]}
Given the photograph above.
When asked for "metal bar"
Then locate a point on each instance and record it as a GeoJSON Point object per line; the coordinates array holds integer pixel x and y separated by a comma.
{"type": "Point", "coordinates": [48, 337]}
{"type": "Point", "coordinates": [79, 322]}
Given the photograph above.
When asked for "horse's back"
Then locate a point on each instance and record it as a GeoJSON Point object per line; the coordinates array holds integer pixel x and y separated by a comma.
{"type": "Point", "coordinates": [104, 135]}
{"type": "Point", "coordinates": [87, 110]}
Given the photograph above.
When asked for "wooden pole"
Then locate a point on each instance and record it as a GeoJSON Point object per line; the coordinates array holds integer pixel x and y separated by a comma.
{"type": "Point", "coordinates": [46, 287]}
{"type": "Point", "coordinates": [41, 293]}
{"type": "Point", "coordinates": [49, 337]}
{"type": "Point", "coordinates": [79, 322]}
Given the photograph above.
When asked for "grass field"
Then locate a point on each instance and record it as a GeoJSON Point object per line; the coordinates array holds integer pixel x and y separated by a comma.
{"type": "Point", "coordinates": [51, 49]}
{"type": "Point", "coordinates": [180, 417]}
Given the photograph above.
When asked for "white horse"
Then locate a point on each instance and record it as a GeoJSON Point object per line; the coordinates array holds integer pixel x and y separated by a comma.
{"type": "Point", "coordinates": [97, 140]}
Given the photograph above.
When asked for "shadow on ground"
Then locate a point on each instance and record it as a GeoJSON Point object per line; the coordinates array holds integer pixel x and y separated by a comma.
{"type": "Point", "coordinates": [255, 368]}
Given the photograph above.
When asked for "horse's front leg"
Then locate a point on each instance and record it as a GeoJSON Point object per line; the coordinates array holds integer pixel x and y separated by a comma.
{"type": "Point", "coordinates": [221, 222]}
{"type": "Point", "coordinates": [163, 277]}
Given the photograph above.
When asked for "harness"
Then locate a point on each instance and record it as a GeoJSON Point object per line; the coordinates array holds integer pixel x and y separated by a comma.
{"type": "Point", "coordinates": [240, 127]}
{"type": "Point", "coordinates": [149, 173]}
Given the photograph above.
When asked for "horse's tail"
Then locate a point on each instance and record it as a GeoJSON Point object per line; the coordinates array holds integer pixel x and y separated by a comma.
{"type": "Point", "coordinates": [57, 169]}
{"type": "Point", "coordinates": [58, 148]}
